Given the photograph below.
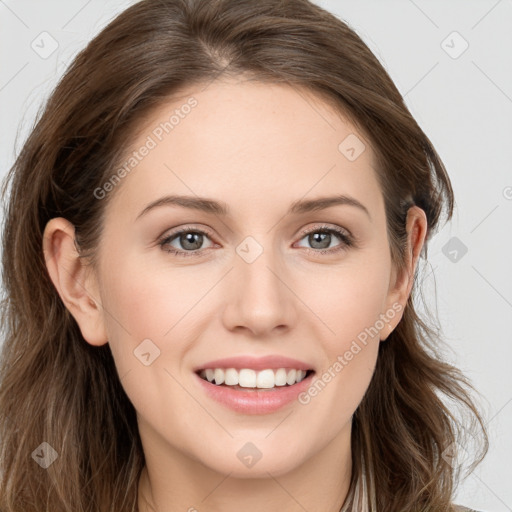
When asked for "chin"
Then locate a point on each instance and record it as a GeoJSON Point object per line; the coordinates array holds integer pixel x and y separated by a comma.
{"type": "Point", "coordinates": [240, 465]}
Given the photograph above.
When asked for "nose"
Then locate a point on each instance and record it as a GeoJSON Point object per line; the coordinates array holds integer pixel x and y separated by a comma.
{"type": "Point", "coordinates": [259, 298]}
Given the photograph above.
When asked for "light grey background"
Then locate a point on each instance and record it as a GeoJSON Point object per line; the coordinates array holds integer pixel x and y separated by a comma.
{"type": "Point", "coordinates": [462, 100]}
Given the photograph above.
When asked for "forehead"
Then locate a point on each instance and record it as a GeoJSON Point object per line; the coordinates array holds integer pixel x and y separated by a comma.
{"type": "Point", "coordinates": [249, 144]}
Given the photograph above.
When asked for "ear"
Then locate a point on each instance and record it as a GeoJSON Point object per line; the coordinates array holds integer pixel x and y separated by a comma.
{"type": "Point", "coordinates": [76, 285]}
{"type": "Point", "coordinates": [401, 285]}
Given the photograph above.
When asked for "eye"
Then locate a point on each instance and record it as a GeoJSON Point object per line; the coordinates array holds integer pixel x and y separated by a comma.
{"type": "Point", "coordinates": [191, 240]}
{"type": "Point", "coordinates": [320, 239]}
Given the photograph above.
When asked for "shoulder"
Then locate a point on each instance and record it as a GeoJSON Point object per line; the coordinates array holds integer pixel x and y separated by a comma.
{"type": "Point", "coordinates": [461, 508]}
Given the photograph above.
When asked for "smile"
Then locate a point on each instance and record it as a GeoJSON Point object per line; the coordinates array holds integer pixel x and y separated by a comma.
{"type": "Point", "coordinates": [249, 378]}
{"type": "Point", "coordinates": [251, 399]}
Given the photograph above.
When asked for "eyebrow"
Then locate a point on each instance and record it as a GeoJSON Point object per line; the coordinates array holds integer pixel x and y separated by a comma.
{"type": "Point", "coordinates": [208, 205]}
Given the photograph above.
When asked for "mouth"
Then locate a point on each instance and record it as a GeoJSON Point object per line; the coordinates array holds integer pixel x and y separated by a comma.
{"type": "Point", "coordinates": [247, 379]}
{"type": "Point", "coordinates": [249, 386]}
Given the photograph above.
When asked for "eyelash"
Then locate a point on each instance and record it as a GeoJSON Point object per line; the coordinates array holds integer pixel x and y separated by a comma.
{"type": "Point", "coordinates": [347, 241]}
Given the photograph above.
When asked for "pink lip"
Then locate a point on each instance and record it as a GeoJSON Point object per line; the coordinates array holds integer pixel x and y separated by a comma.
{"type": "Point", "coordinates": [261, 401]}
{"type": "Point", "coordinates": [273, 362]}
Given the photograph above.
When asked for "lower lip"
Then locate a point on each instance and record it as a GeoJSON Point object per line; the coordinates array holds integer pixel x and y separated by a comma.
{"type": "Point", "coordinates": [261, 401]}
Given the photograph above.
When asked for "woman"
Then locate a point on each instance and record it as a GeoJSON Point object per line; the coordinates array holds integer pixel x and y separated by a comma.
{"type": "Point", "coordinates": [209, 255]}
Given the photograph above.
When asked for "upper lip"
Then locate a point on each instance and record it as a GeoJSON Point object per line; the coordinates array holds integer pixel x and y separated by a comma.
{"type": "Point", "coordinates": [255, 363]}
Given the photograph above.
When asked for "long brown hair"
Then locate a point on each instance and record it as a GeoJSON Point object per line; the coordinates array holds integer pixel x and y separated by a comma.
{"type": "Point", "coordinates": [56, 388]}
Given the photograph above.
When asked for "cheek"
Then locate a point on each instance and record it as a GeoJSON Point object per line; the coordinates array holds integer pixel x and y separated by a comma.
{"type": "Point", "coordinates": [351, 307]}
{"type": "Point", "coordinates": [141, 310]}
{"type": "Point", "coordinates": [146, 301]}
{"type": "Point", "coordinates": [347, 299]}
{"type": "Point", "coordinates": [152, 309]}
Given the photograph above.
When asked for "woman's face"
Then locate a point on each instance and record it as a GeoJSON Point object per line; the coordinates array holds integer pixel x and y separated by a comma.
{"type": "Point", "coordinates": [252, 281]}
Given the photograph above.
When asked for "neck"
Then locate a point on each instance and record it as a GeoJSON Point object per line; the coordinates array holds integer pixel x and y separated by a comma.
{"type": "Point", "coordinates": [176, 482]}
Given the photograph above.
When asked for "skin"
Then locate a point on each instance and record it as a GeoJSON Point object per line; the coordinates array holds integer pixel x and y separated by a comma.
{"type": "Point", "coordinates": [258, 148]}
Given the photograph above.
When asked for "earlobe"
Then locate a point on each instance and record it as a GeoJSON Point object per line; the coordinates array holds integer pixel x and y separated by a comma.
{"type": "Point", "coordinates": [73, 281]}
{"type": "Point", "coordinates": [416, 225]}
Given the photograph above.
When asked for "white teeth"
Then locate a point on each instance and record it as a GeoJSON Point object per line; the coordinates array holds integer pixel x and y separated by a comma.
{"type": "Point", "coordinates": [280, 377]}
{"type": "Point", "coordinates": [265, 379]}
{"type": "Point", "coordinates": [218, 375]}
{"type": "Point", "coordinates": [231, 377]}
{"type": "Point", "coordinates": [292, 375]}
{"type": "Point", "coordinates": [247, 378]}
